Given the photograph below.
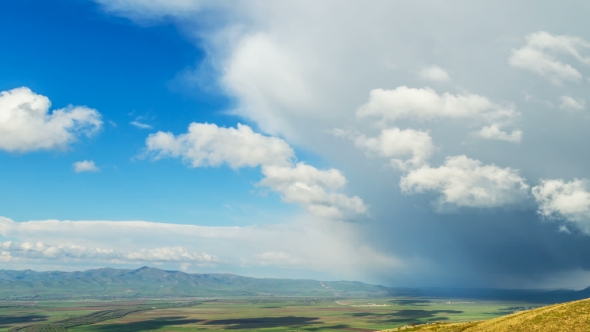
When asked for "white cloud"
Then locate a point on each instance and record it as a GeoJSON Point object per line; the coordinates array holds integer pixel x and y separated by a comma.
{"type": "Point", "coordinates": [564, 229]}
{"type": "Point", "coordinates": [494, 132]}
{"type": "Point", "coordinates": [536, 56]}
{"type": "Point", "coordinates": [395, 143]}
{"type": "Point", "coordinates": [170, 254]}
{"type": "Point", "coordinates": [465, 182]}
{"type": "Point", "coordinates": [570, 103]}
{"type": "Point", "coordinates": [152, 8]}
{"type": "Point", "coordinates": [40, 250]}
{"type": "Point", "coordinates": [425, 104]}
{"type": "Point", "coordinates": [27, 125]}
{"type": "Point", "coordinates": [313, 189]}
{"type": "Point", "coordinates": [140, 125]}
{"type": "Point", "coordinates": [140, 121]}
{"type": "Point", "coordinates": [85, 166]}
{"type": "Point", "coordinates": [569, 201]}
{"type": "Point", "coordinates": [434, 73]}
{"type": "Point", "coordinates": [210, 145]}
{"type": "Point", "coordinates": [331, 247]}
{"type": "Point", "coordinates": [264, 76]}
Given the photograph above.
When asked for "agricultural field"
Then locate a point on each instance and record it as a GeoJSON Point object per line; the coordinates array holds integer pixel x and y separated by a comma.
{"type": "Point", "coordinates": [244, 314]}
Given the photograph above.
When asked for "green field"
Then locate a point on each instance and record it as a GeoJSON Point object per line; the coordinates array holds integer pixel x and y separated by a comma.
{"type": "Point", "coordinates": [248, 314]}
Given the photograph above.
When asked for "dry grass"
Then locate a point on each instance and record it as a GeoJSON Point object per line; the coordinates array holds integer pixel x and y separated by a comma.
{"type": "Point", "coordinates": [570, 317]}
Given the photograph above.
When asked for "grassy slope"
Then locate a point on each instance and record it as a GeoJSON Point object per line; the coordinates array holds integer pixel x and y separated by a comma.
{"type": "Point", "coordinates": [571, 317]}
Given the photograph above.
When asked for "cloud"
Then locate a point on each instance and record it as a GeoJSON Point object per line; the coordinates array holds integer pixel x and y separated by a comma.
{"type": "Point", "coordinates": [85, 166]}
{"type": "Point", "coordinates": [569, 103]}
{"type": "Point", "coordinates": [313, 189]}
{"type": "Point", "coordinates": [425, 104]}
{"type": "Point", "coordinates": [464, 182]}
{"type": "Point", "coordinates": [296, 69]}
{"type": "Point", "coordinates": [569, 201]}
{"type": "Point", "coordinates": [494, 132]}
{"type": "Point", "coordinates": [434, 74]}
{"type": "Point", "coordinates": [536, 56]}
{"type": "Point", "coordinates": [152, 8]}
{"type": "Point", "coordinates": [140, 121]}
{"type": "Point", "coordinates": [327, 246]}
{"type": "Point", "coordinates": [209, 145]}
{"type": "Point", "coordinates": [40, 250]}
{"type": "Point", "coordinates": [140, 125]}
{"type": "Point", "coordinates": [395, 143]}
{"type": "Point", "coordinates": [259, 75]}
{"type": "Point", "coordinates": [26, 124]}
{"type": "Point", "coordinates": [169, 254]}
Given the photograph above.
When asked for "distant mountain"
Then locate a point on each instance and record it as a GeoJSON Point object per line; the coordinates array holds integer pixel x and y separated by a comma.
{"type": "Point", "coordinates": [153, 282]}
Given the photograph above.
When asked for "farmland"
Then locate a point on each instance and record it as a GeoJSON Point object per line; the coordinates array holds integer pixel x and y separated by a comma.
{"type": "Point", "coordinates": [244, 314]}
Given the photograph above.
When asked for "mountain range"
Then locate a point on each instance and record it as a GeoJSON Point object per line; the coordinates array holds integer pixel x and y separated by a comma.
{"type": "Point", "coordinates": [154, 282]}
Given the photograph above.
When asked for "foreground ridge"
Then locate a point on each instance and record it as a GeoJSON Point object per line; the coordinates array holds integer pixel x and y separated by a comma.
{"type": "Point", "coordinates": [571, 316]}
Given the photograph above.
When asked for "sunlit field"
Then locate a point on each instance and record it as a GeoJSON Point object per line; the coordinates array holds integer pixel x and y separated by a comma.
{"type": "Point", "coordinates": [285, 314]}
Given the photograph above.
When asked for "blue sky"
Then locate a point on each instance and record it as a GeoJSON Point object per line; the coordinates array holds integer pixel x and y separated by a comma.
{"type": "Point", "coordinates": [77, 55]}
{"type": "Point", "coordinates": [410, 144]}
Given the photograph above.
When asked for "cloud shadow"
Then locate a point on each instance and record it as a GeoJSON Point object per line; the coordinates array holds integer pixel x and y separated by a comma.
{"type": "Point", "coordinates": [6, 322]}
{"type": "Point", "coordinates": [264, 322]}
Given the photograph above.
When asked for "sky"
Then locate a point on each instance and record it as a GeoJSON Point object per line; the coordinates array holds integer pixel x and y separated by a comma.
{"type": "Point", "coordinates": [422, 143]}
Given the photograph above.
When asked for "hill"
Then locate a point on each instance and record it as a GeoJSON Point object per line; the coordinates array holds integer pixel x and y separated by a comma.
{"type": "Point", "coordinates": [570, 317]}
{"type": "Point", "coordinates": [153, 282]}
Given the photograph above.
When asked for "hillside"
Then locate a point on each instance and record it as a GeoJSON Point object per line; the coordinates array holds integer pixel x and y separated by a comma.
{"type": "Point", "coordinates": [570, 317]}
{"type": "Point", "coordinates": [153, 282]}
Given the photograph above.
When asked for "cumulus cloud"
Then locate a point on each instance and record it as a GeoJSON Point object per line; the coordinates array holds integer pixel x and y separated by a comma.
{"type": "Point", "coordinates": [537, 56]}
{"type": "Point", "coordinates": [327, 246]}
{"type": "Point", "coordinates": [395, 143]}
{"type": "Point", "coordinates": [569, 201]}
{"type": "Point", "coordinates": [210, 145]}
{"type": "Point", "coordinates": [570, 103]}
{"type": "Point", "coordinates": [314, 190]}
{"type": "Point", "coordinates": [494, 132]}
{"type": "Point", "coordinates": [27, 125]}
{"type": "Point", "coordinates": [425, 104]}
{"type": "Point", "coordinates": [464, 182]}
{"type": "Point", "coordinates": [435, 74]}
{"type": "Point", "coordinates": [85, 166]}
